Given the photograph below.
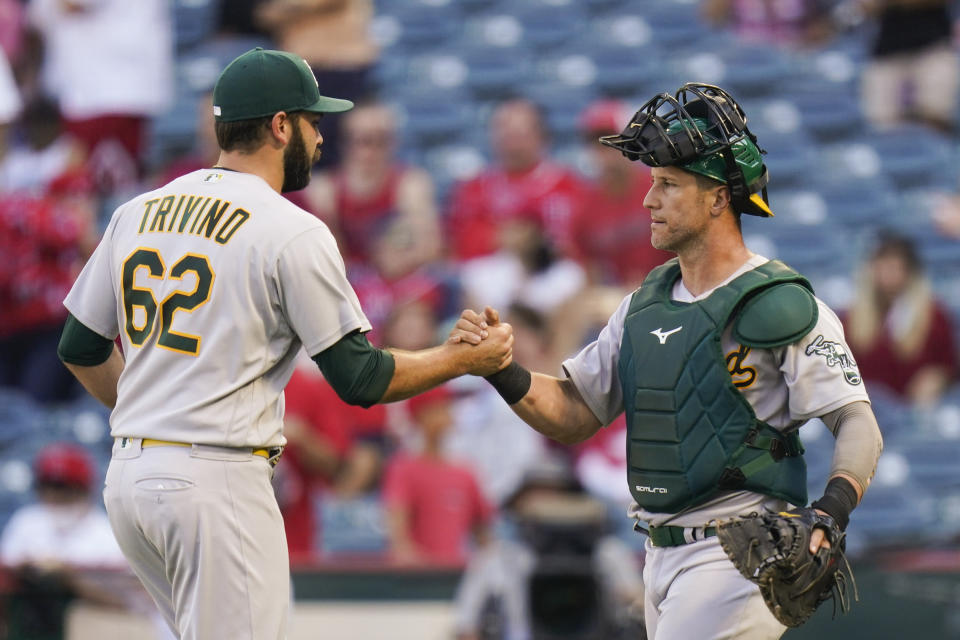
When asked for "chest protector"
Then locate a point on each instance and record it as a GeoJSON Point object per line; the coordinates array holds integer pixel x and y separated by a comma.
{"type": "Point", "coordinates": [691, 432]}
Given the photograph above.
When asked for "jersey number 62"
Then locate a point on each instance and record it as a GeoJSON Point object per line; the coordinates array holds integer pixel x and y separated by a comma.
{"type": "Point", "coordinates": [134, 297]}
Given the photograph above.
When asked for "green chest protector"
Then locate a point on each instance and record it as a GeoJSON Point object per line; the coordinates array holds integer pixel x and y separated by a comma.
{"type": "Point", "coordinates": [691, 432]}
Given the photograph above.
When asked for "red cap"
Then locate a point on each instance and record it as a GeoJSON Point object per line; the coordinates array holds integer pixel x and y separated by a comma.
{"type": "Point", "coordinates": [434, 396]}
{"type": "Point", "coordinates": [64, 464]}
{"type": "Point", "coordinates": [606, 115]}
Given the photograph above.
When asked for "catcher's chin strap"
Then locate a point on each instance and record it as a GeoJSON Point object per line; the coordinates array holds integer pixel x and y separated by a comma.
{"type": "Point", "coordinates": [737, 183]}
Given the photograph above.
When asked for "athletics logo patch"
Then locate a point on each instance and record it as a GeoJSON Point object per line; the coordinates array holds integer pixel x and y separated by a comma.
{"type": "Point", "coordinates": [743, 376]}
{"type": "Point", "coordinates": [835, 355]}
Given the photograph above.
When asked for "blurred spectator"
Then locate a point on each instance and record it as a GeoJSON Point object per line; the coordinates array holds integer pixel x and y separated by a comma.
{"type": "Point", "coordinates": [44, 240]}
{"type": "Point", "coordinates": [611, 229]}
{"type": "Point", "coordinates": [524, 182]}
{"type": "Point", "coordinates": [484, 424]}
{"type": "Point", "coordinates": [62, 549]}
{"type": "Point", "coordinates": [44, 151]}
{"type": "Point", "coordinates": [601, 464]}
{"type": "Point", "coordinates": [205, 150]}
{"type": "Point", "coordinates": [318, 440]}
{"type": "Point", "coordinates": [239, 18]}
{"type": "Point", "coordinates": [527, 268]}
{"type": "Point", "coordinates": [110, 65]}
{"type": "Point", "coordinates": [433, 505]}
{"type": "Point", "coordinates": [901, 336]}
{"type": "Point", "coordinates": [790, 23]}
{"type": "Point", "coordinates": [333, 36]}
{"type": "Point", "coordinates": [562, 571]}
{"type": "Point", "coordinates": [914, 72]}
{"type": "Point", "coordinates": [11, 28]}
{"type": "Point", "coordinates": [10, 103]}
{"type": "Point", "coordinates": [380, 295]}
{"type": "Point", "coordinates": [371, 199]}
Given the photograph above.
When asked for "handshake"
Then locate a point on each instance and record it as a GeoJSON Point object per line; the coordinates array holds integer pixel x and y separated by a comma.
{"type": "Point", "coordinates": [483, 344]}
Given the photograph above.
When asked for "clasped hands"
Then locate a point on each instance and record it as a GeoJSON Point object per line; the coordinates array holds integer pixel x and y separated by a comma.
{"type": "Point", "coordinates": [487, 342]}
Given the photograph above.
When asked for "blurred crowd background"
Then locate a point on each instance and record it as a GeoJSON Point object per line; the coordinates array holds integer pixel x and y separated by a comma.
{"type": "Point", "coordinates": [469, 174]}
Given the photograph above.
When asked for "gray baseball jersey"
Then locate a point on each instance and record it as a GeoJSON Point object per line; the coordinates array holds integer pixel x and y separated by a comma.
{"type": "Point", "coordinates": [207, 357]}
{"type": "Point", "coordinates": [786, 387]}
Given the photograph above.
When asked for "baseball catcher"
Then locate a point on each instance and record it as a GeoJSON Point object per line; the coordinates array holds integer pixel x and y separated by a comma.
{"type": "Point", "coordinates": [716, 361]}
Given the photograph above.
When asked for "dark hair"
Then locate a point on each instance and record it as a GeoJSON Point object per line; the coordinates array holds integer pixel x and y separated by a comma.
{"type": "Point", "coordinates": [890, 242]}
{"type": "Point", "coordinates": [520, 314]}
{"type": "Point", "coordinates": [245, 136]}
{"type": "Point", "coordinates": [538, 109]}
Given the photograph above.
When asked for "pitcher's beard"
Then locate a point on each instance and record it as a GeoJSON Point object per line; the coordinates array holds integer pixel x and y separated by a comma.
{"type": "Point", "coordinates": [297, 163]}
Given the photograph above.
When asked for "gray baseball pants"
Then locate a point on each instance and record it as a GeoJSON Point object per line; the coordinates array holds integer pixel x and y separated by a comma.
{"type": "Point", "coordinates": [694, 591]}
{"type": "Point", "coordinates": [201, 528]}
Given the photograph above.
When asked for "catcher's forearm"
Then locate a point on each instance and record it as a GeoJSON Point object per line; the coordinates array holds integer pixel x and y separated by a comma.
{"type": "Point", "coordinates": [858, 445]}
{"type": "Point", "coordinates": [554, 407]}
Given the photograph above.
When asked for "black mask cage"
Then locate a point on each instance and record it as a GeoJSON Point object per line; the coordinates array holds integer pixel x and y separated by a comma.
{"type": "Point", "coordinates": [646, 136]}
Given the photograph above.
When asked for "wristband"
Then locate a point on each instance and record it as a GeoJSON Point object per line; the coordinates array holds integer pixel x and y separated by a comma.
{"type": "Point", "coordinates": [512, 382]}
{"type": "Point", "coordinates": [838, 500]}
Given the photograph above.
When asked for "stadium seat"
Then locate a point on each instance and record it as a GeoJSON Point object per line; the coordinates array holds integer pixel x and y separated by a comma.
{"type": "Point", "coordinates": [432, 116]}
{"type": "Point", "coordinates": [194, 21]}
{"type": "Point", "coordinates": [494, 73]}
{"type": "Point", "coordinates": [422, 24]}
{"type": "Point", "coordinates": [858, 203]}
{"type": "Point", "coordinates": [499, 28]}
{"type": "Point", "coordinates": [452, 163]}
{"type": "Point", "coordinates": [914, 156]}
{"type": "Point", "coordinates": [548, 24]}
{"type": "Point", "coordinates": [828, 115]}
{"type": "Point", "coordinates": [790, 158]}
{"type": "Point", "coordinates": [676, 26]}
{"type": "Point", "coordinates": [905, 513]}
{"type": "Point", "coordinates": [629, 70]}
{"type": "Point", "coordinates": [562, 105]}
{"type": "Point", "coordinates": [932, 461]}
{"type": "Point", "coordinates": [351, 526]}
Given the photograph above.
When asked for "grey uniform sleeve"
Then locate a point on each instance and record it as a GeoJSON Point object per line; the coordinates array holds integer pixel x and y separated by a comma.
{"type": "Point", "coordinates": [315, 296]}
{"type": "Point", "coordinates": [819, 371]}
{"type": "Point", "coordinates": [594, 372]}
{"type": "Point", "coordinates": [93, 298]}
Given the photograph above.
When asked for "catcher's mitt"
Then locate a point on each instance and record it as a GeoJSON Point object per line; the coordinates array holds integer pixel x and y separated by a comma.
{"type": "Point", "coordinates": [773, 550]}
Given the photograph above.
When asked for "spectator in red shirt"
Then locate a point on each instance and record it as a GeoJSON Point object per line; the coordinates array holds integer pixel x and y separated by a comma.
{"type": "Point", "coordinates": [901, 336]}
{"type": "Point", "coordinates": [318, 441]}
{"type": "Point", "coordinates": [371, 199]}
{"type": "Point", "coordinates": [43, 242]}
{"type": "Point", "coordinates": [433, 505]}
{"type": "Point", "coordinates": [524, 181]}
{"type": "Point", "coordinates": [611, 228]}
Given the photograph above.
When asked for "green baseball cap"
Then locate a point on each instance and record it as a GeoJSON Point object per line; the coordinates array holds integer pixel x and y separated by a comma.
{"type": "Point", "coordinates": [261, 82]}
{"type": "Point", "coordinates": [748, 158]}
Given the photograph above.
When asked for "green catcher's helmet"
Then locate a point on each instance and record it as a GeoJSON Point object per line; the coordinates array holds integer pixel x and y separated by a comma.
{"type": "Point", "coordinates": [701, 129]}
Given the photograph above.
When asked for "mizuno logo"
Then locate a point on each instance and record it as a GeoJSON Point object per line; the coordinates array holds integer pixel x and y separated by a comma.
{"type": "Point", "coordinates": [662, 336]}
{"type": "Point", "coordinates": [643, 489]}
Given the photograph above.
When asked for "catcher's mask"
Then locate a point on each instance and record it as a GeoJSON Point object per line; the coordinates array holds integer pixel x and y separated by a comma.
{"type": "Point", "coordinates": [701, 129]}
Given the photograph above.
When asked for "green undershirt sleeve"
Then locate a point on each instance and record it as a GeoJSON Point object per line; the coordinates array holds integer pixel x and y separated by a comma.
{"type": "Point", "coordinates": [359, 372]}
{"type": "Point", "coordinates": [82, 346]}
